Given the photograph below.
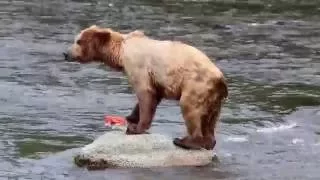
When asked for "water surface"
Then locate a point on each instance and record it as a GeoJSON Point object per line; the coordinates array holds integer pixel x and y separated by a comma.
{"type": "Point", "coordinates": [269, 51]}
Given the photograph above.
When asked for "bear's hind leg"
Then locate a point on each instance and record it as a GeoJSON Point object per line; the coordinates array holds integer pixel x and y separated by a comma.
{"type": "Point", "coordinates": [213, 118]}
{"type": "Point", "coordinates": [192, 108]}
{"type": "Point", "coordinates": [211, 114]}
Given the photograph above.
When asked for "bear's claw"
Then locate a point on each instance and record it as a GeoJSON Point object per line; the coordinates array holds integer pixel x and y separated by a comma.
{"type": "Point", "coordinates": [132, 129]}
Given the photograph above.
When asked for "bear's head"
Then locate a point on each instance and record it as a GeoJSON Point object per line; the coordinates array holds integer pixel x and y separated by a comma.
{"type": "Point", "coordinates": [95, 44]}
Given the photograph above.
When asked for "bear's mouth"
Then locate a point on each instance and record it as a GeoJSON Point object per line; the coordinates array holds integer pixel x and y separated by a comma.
{"type": "Point", "coordinates": [68, 57]}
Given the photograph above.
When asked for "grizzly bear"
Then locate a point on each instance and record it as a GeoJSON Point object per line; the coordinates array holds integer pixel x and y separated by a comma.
{"type": "Point", "coordinates": [156, 70]}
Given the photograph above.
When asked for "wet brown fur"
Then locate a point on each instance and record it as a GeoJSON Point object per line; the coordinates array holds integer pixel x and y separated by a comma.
{"type": "Point", "coordinates": [192, 79]}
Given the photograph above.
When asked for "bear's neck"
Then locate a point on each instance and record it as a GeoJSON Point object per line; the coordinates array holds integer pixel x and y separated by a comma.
{"type": "Point", "coordinates": [112, 56]}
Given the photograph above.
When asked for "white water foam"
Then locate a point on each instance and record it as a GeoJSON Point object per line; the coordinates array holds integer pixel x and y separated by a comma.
{"type": "Point", "coordinates": [297, 141]}
{"type": "Point", "coordinates": [277, 128]}
{"type": "Point", "coordinates": [237, 139]}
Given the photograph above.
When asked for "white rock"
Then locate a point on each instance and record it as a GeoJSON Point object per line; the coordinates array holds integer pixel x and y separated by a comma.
{"type": "Point", "coordinates": [115, 149]}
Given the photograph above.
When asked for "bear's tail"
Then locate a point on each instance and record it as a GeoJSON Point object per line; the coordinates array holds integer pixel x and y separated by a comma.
{"type": "Point", "coordinates": [223, 89]}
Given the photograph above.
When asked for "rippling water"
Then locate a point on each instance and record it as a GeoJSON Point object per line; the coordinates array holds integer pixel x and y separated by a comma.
{"type": "Point", "coordinates": [269, 51]}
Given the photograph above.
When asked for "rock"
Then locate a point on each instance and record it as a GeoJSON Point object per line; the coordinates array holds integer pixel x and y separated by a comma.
{"type": "Point", "coordinates": [114, 149]}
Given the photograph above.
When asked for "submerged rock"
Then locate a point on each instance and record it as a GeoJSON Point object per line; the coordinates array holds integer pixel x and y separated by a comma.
{"type": "Point", "coordinates": [114, 149]}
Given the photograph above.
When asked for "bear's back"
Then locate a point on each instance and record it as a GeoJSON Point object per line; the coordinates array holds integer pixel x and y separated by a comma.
{"type": "Point", "coordinates": [171, 63]}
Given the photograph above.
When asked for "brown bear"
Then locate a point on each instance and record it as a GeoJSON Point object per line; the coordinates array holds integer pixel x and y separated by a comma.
{"type": "Point", "coordinates": [156, 70]}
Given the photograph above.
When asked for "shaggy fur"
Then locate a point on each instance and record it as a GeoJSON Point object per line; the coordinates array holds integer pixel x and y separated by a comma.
{"type": "Point", "coordinates": [159, 70]}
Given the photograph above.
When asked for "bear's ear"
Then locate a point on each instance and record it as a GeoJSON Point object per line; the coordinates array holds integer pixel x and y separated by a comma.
{"type": "Point", "coordinates": [93, 26]}
{"type": "Point", "coordinates": [102, 36]}
{"type": "Point", "coordinates": [138, 32]}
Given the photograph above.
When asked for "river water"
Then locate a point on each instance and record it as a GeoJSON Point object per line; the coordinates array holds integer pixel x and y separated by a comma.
{"type": "Point", "coordinates": [269, 51]}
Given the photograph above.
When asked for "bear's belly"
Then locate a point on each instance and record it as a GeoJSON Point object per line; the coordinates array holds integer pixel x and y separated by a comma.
{"type": "Point", "coordinates": [172, 93]}
{"type": "Point", "coordinates": [170, 80]}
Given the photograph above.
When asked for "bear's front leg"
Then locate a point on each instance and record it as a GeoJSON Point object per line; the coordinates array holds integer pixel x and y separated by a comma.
{"type": "Point", "coordinates": [133, 118]}
{"type": "Point", "coordinates": [147, 106]}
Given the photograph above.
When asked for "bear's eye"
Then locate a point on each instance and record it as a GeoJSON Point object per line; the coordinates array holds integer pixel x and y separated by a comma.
{"type": "Point", "coordinates": [79, 42]}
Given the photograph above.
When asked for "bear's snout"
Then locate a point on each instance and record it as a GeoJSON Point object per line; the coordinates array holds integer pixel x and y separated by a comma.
{"type": "Point", "coordinates": [67, 56]}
